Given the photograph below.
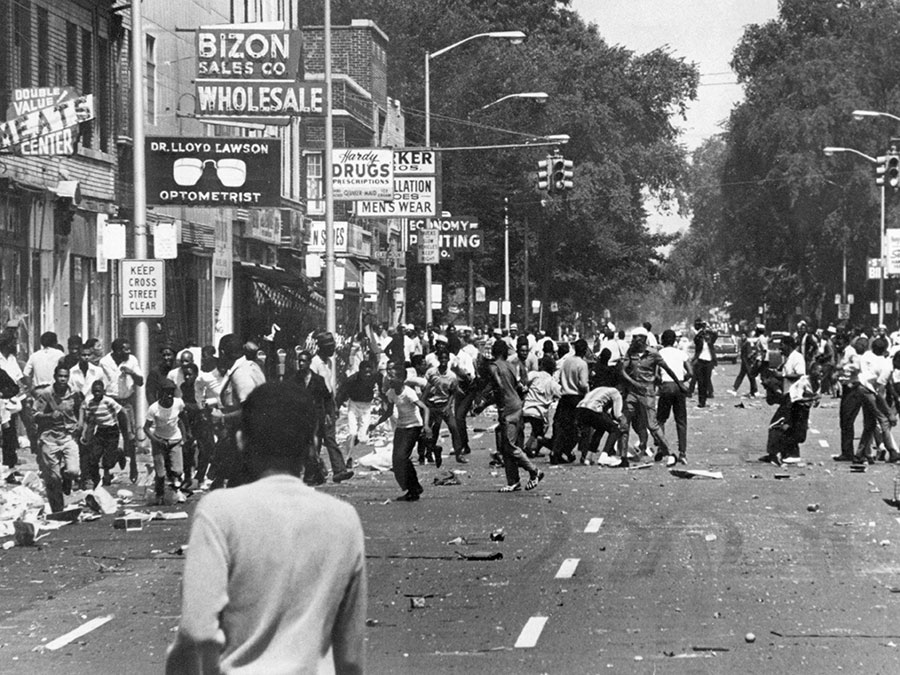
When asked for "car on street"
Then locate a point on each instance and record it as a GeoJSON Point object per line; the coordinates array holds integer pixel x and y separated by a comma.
{"type": "Point", "coordinates": [728, 348]}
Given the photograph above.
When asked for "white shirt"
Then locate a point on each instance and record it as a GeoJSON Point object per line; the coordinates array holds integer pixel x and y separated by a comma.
{"type": "Point", "coordinates": [11, 365]}
{"type": "Point", "coordinates": [325, 368]}
{"type": "Point", "coordinates": [794, 367]}
{"type": "Point", "coordinates": [164, 421]}
{"type": "Point", "coordinates": [40, 366]}
{"type": "Point", "coordinates": [675, 359]}
{"type": "Point", "coordinates": [118, 384]}
{"type": "Point", "coordinates": [82, 382]}
{"type": "Point", "coordinates": [408, 413]}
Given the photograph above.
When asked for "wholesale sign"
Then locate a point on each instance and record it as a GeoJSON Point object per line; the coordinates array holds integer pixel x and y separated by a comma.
{"type": "Point", "coordinates": [362, 173]}
{"type": "Point", "coordinates": [248, 71]}
{"type": "Point", "coordinates": [206, 171]}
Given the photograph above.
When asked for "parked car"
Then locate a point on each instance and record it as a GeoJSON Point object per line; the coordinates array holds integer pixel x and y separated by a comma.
{"type": "Point", "coordinates": [728, 348]}
{"type": "Point", "coordinates": [775, 357]}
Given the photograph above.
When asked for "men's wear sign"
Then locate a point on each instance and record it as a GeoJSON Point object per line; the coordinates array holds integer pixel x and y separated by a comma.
{"type": "Point", "coordinates": [143, 289]}
{"type": "Point", "coordinates": [362, 173]}
{"type": "Point", "coordinates": [205, 171]}
{"type": "Point", "coordinates": [417, 188]}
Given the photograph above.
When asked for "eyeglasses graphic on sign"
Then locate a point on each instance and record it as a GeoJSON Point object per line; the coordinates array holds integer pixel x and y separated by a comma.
{"type": "Point", "coordinates": [188, 170]}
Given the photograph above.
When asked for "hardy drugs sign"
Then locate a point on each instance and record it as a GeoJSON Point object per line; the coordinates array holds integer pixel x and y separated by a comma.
{"type": "Point", "coordinates": [143, 289]}
{"type": "Point", "coordinates": [362, 173]}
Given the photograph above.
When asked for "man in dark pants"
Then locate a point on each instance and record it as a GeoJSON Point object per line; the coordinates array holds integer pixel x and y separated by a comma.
{"type": "Point", "coordinates": [324, 365]}
{"type": "Point", "coordinates": [704, 360]}
{"type": "Point", "coordinates": [574, 382]}
{"type": "Point", "coordinates": [851, 397]}
{"type": "Point", "coordinates": [672, 396]}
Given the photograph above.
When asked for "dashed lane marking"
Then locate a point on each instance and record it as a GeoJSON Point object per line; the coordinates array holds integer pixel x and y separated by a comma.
{"type": "Point", "coordinates": [567, 569]}
{"type": "Point", "coordinates": [823, 442]}
{"type": "Point", "coordinates": [531, 632]}
{"type": "Point", "coordinates": [593, 525]}
{"type": "Point", "coordinates": [83, 629]}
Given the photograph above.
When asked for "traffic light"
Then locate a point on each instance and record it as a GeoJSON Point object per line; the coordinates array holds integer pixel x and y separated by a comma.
{"type": "Point", "coordinates": [561, 174]}
{"type": "Point", "coordinates": [893, 169]}
{"type": "Point", "coordinates": [543, 174]}
{"type": "Point", "coordinates": [880, 169]}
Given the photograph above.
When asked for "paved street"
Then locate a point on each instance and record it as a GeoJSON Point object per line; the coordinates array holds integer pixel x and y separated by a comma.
{"type": "Point", "coordinates": [602, 569]}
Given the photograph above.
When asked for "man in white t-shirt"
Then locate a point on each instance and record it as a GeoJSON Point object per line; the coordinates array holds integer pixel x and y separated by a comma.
{"type": "Point", "coordinates": [165, 430]}
{"type": "Point", "coordinates": [672, 394]}
{"type": "Point", "coordinates": [123, 374]}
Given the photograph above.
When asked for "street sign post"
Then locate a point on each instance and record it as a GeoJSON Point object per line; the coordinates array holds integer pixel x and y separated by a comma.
{"type": "Point", "coordinates": [143, 289]}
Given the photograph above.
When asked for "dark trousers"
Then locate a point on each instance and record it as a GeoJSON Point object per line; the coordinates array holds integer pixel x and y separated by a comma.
{"type": "Point", "coordinates": [514, 457]}
{"type": "Point", "coordinates": [703, 377]}
{"type": "Point", "coordinates": [640, 411]}
{"type": "Point", "coordinates": [536, 437]}
{"type": "Point", "coordinates": [445, 413]}
{"type": "Point", "coordinates": [593, 425]}
{"type": "Point", "coordinates": [9, 439]}
{"type": "Point", "coordinates": [672, 399]}
{"type": "Point", "coordinates": [464, 402]}
{"type": "Point", "coordinates": [565, 433]}
{"type": "Point", "coordinates": [401, 459]}
{"type": "Point", "coordinates": [851, 402]}
{"type": "Point", "coordinates": [787, 429]}
{"type": "Point", "coordinates": [748, 369]}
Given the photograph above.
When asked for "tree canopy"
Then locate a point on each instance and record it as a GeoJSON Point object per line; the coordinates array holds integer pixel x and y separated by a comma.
{"type": "Point", "coordinates": [591, 247]}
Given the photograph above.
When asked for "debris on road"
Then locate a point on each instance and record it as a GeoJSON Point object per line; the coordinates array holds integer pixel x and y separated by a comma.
{"type": "Point", "coordinates": [498, 535]}
{"type": "Point", "coordinates": [417, 602]}
{"type": "Point", "coordinates": [699, 473]}
{"type": "Point", "coordinates": [750, 637]}
{"type": "Point", "coordinates": [447, 478]}
{"type": "Point", "coordinates": [458, 541]}
{"type": "Point", "coordinates": [813, 508]}
{"type": "Point", "coordinates": [481, 555]}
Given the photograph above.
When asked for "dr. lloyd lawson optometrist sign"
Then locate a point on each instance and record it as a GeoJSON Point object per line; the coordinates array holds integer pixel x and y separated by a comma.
{"type": "Point", "coordinates": [207, 171]}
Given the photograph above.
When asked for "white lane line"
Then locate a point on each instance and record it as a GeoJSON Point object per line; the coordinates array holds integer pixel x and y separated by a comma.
{"type": "Point", "coordinates": [593, 525]}
{"type": "Point", "coordinates": [814, 431]}
{"type": "Point", "coordinates": [823, 442]}
{"type": "Point", "coordinates": [567, 569]}
{"type": "Point", "coordinates": [531, 632]}
{"type": "Point", "coordinates": [83, 629]}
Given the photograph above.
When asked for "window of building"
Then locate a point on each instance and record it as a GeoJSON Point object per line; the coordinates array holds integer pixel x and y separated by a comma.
{"type": "Point", "coordinates": [315, 189]}
{"type": "Point", "coordinates": [103, 92]}
{"type": "Point", "coordinates": [43, 47]}
{"type": "Point", "coordinates": [71, 54]}
{"type": "Point", "coordinates": [22, 42]}
{"type": "Point", "coordinates": [150, 78]}
{"type": "Point", "coordinates": [87, 83]}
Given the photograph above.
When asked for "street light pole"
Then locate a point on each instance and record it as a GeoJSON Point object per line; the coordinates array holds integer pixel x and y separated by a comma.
{"type": "Point", "coordinates": [506, 306]}
{"type": "Point", "coordinates": [514, 37]}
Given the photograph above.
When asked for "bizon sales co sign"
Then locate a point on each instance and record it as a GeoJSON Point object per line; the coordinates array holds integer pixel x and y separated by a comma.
{"type": "Point", "coordinates": [206, 171]}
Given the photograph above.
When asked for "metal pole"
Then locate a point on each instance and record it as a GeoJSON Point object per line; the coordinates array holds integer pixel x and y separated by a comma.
{"type": "Point", "coordinates": [527, 300]}
{"type": "Point", "coordinates": [471, 291]}
{"type": "Point", "coordinates": [883, 266]}
{"type": "Point", "coordinates": [505, 309]}
{"type": "Point", "coordinates": [330, 309]}
{"type": "Point", "coordinates": [428, 145]}
{"type": "Point", "coordinates": [141, 328]}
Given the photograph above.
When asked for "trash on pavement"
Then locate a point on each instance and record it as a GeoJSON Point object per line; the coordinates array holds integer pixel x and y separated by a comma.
{"type": "Point", "coordinates": [711, 537]}
{"type": "Point", "coordinates": [8, 545]}
{"type": "Point", "coordinates": [447, 478]}
{"type": "Point", "coordinates": [498, 535]}
{"type": "Point", "coordinates": [813, 508]}
{"type": "Point", "coordinates": [100, 501]}
{"type": "Point", "coordinates": [458, 541]}
{"type": "Point", "coordinates": [698, 473]}
{"type": "Point", "coordinates": [417, 602]}
{"type": "Point", "coordinates": [67, 515]}
{"type": "Point", "coordinates": [26, 531]}
{"type": "Point", "coordinates": [481, 555]}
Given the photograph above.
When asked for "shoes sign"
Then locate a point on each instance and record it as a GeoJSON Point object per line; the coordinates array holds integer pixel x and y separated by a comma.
{"type": "Point", "coordinates": [43, 121]}
{"type": "Point", "coordinates": [252, 73]}
{"type": "Point", "coordinates": [208, 171]}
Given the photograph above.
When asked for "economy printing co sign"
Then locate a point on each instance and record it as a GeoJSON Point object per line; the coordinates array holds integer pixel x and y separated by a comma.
{"type": "Point", "coordinates": [205, 171]}
{"type": "Point", "coordinates": [43, 121]}
{"type": "Point", "coordinates": [248, 71]}
{"type": "Point", "coordinates": [363, 173]}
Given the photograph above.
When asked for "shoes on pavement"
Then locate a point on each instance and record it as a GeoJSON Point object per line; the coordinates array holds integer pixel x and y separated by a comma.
{"type": "Point", "coordinates": [733, 392]}
{"type": "Point", "coordinates": [842, 458]}
{"type": "Point", "coordinates": [660, 455]}
{"type": "Point", "coordinates": [670, 460]}
{"type": "Point", "coordinates": [408, 497]}
{"type": "Point", "coordinates": [467, 450]}
{"type": "Point", "coordinates": [569, 457]}
{"type": "Point", "coordinates": [681, 459]}
{"type": "Point", "coordinates": [461, 460]}
{"type": "Point", "coordinates": [533, 482]}
{"type": "Point", "coordinates": [346, 474]}
{"type": "Point", "coordinates": [771, 459]}
{"type": "Point", "coordinates": [515, 487]}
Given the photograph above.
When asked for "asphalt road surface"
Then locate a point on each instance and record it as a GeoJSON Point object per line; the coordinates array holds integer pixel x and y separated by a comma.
{"type": "Point", "coordinates": [767, 570]}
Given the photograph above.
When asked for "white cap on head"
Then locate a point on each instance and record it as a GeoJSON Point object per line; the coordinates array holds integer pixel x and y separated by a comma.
{"type": "Point", "coordinates": [640, 331]}
{"type": "Point", "coordinates": [440, 338]}
{"type": "Point", "coordinates": [514, 326]}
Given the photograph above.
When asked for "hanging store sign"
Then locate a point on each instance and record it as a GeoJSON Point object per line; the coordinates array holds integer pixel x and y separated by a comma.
{"type": "Point", "coordinates": [247, 71]}
{"type": "Point", "coordinates": [892, 249]}
{"type": "Point", "coordinates": [362, 173]}
{"type": "Point", "coordinates": [460, 233]}
{"type": "Point", "coordinates": [207, 171]}
{"type": "Point", "coordinates": [417, 187]}
{"type": "Point", "coordinates": [43, 121]}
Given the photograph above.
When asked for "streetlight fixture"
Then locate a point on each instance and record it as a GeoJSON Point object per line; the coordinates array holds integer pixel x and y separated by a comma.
{"type": "Point", "coordinates": [831, 151]}
{"type": "Point", "coordinates": [859, 114]}
{"type": "Point", "coordinates": [514, 37]}
{"type": "Point", "coordinates": [540, 96]}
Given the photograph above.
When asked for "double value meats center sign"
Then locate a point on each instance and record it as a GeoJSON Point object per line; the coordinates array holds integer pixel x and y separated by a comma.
{"type": "Point", "coordinates": [208, 171]}
{"type": "Point", "coordinates": [253, 72]}
{"type": "Point", "coordinates": [43, 121]}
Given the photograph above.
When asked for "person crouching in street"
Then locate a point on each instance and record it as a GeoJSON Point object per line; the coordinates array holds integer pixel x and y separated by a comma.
{"type": "Point", "coordinates": [599, 412]}
{"type": "Point", "coordinates": [413, 420]}
{"type": "Point", "coordinates": [165, 429]}
{"type": "Point", "coordinates": [58, 415]}
{"type": "Point", "coordinates": [275, 573]}
{"type": "Point", "coordinates": [790, 389]}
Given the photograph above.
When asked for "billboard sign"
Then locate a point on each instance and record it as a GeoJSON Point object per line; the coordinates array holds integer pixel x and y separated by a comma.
{"type": "Point", "coordinates": [362, 173]}
{"type": "Point", "coordinates": [460, 233]}
{"type": "Point", "coordinates": [35, 128]}
{"type": "Point", "coordinates": [207, 171]}
{"type": "Point", "coordinates": [414, 197]}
